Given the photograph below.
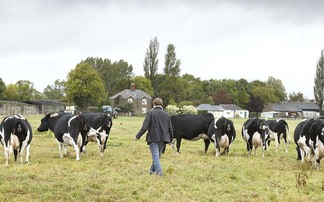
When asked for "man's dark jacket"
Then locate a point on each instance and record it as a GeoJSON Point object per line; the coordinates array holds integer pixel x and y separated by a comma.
{"type": "Point", "coordinates": [158, 124]}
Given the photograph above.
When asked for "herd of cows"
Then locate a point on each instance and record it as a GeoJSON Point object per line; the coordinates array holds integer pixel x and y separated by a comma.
{"type": "Point", "coordinates": [77, 130]}
{"type": "Point", "coordinates": [69, 130]}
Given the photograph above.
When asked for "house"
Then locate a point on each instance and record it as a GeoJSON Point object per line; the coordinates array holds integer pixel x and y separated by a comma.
{"type": "Point", "coordinates": [140, 100]}
{"type": "Point", "coordinates": [291, 110]}
{"type": "Point", "coordinates": [226, 110]}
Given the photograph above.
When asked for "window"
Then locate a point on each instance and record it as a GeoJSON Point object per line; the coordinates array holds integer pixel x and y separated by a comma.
{"type": "Point", "coordinates": [144, 110]}
{"type": "Point", "coordinates": [144, 101]}
{"type": "Point", "coordinates": [130, 100]}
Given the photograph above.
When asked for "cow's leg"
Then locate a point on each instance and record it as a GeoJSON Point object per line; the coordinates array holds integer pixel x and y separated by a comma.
{"type": "Point", "coordinates": [60, 146]}
{"type": "Point", "coordinates": [65, 149]}
{"type": "Point", "coordinates": [255, 149]}
{"type": "Point", "coordinates": [277, 141]}
{"type": "Point", "coordinates": [308, 153]}
{"type": "Point", "coordinates": [84, 150]}
{"type": "Point", "coordinates": [207, 142]}
{"type": "Point", "coordinates": [286, 143]}
{"type": "Point", "coordinates": [298, 153]}
{"type": "Point", "coordinates": [317, 159]}
{"type": "Point", "coordinates": [248, 148]}
{"type": "Point", "coordinates": [27, 154]}
{"type": "Point", "coordinates": [250, 145]}
{"type": "Point", "coordinates": [226, 151]}
{"type": "Point", "coordinates": [7, 151]}
{"type": "Point", "coordinates": [77, 151]}
{"type": "Point", "coordinates": [15, 154]}
{"type": "Point", "coordinates": [217, 147]}
{"type": "Point", "coordinates": [178, 145]}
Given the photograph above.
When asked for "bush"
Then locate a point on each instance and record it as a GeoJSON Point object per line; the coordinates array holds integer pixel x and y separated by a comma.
{"type": "Point", "coordinates": [172, 110]}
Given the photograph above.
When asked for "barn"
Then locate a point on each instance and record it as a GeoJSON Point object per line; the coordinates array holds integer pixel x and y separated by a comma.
{"type": "Point", "coordinates": [291, 110]}
{"type": "Point", "coordinates": [225, 110]}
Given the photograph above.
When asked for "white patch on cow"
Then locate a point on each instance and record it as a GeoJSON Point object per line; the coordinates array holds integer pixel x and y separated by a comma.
{"type": "Point", "coordinates": [201, 136]}
{"type": "Point", "coordinates": [92, 135]}
{"type": "Point", "coordinates": [54, 115]}
{"type": "Point", "coordinates": [14, 141]}
{"type": "Point", "coordinates": [215, 121]}
{"type": "Point", "coordinates": [69, 122]}
{"type": "Point", "coordinates": [68, 141]}
{"type": "Point", "coordinates": [224, 141]}
{"type": "Point", "coordinates": [246, 135]}
{"type": "Point", "coordinates": [319, 152]}
{"type": "Point", "coordinates": [256, 142]}
{"type": "Point", "coordinates": [256, 139]}
{"type": "Point", "coordinates": [304, 149]}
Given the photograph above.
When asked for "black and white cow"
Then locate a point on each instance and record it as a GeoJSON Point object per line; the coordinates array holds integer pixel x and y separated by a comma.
{"type": "Point", "coordinates": [191, 127]}
{"type": "Point", "coordinates": [255, 132]}
{"type": "Point", "coordinates": [16, 135]}
{"type": "Point", "coordinates": [223, 130]}
{"type": "Point", "coordinates": [68, 130]}
{"type": "Point", "coordinates": [278, 129]}
{"type": "Point", "coordinates": [301, 138]}
{"type": "Point", "coordinates": [316, 134]}
{"type": "Point", "coordinates": [100, 125]}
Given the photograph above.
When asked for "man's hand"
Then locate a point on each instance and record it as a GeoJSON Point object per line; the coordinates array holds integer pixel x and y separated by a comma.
{"type": "Point", "coordinates": [136, 138]}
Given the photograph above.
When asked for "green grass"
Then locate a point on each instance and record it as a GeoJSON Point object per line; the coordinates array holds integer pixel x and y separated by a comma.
{"type": "Point", "coordinates": [123, 173]}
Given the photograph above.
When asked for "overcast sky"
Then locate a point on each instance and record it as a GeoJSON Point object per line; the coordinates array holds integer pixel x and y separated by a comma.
{"type": "Point", "coordinates": [43, 40]}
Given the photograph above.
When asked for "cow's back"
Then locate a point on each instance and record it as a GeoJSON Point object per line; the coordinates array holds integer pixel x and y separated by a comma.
{"type": "Point", "coordinates": [189, 126]}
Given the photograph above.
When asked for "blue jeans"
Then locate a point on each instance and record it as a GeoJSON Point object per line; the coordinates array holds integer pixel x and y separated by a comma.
{"type": "Point", "coordinates": [156, 150]}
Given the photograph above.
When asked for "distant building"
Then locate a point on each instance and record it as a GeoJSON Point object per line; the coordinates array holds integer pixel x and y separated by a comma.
{"type": "Point", "coordinates": [291, 110]}
{"type": "Point", "coordinates": [140, 100]}
{"type": "Point", "coordinates": [30, 107]}
{"type": "Point", "coordinates": [225, 110]}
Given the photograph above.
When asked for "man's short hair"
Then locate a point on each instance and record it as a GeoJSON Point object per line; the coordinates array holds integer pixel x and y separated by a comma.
{"type": "Point", "coordinates": [158, 101]}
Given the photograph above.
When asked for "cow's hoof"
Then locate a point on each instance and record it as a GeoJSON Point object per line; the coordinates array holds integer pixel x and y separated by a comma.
{"type": "Point", "coordinates": [26, 162]}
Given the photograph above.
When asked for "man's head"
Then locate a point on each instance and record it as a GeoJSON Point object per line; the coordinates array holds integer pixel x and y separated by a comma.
{"type": "Point", "coordinates": [157, 102]}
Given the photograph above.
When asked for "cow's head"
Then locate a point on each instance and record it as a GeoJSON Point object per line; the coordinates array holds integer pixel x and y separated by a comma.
{"type": "Point", "coordinates": [46, 122]}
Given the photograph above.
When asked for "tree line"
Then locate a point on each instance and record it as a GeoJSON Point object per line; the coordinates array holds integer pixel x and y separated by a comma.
{"type": "Point", "coordinates": [95, 79]}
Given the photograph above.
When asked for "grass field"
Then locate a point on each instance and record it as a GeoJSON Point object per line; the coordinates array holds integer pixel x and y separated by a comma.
{"type": "Point", "coordinates": [123, 173]}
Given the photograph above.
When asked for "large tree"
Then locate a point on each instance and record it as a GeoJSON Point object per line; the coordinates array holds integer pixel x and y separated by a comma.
{"type": "Point", "coordinates": [279, 89]}
{"type": "Point", "coordinates": [296, 97]}
{"type": "Point", "coordinates": [319, 82]}
{"type": "Point", "coordinates": [151, 61]}
{"type": "Point", "coordinates": [255, 105]}
{"type": "Point", "coordinates": [172, 88]}
{"type": "Point", "coordinates": [2, 90]}
{"type": "Point", "coordinates": [26, 90]}
{"type": "Point", "coordinates": [143, 84]}
{"type": "Point", "coordinates": [171, 63]}
{"type": "Point", "coordinates": [11, 92]}
{"type": "Point", "coordinates": [55, 91]}
{"type": "Point", "coordinates": [85, 87]}
{"type": "Point", "coordinates": [116, 75]}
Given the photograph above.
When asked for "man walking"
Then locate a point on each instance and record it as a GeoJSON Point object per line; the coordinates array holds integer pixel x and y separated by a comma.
{"type": "Point", "coordinates": [158, 124]}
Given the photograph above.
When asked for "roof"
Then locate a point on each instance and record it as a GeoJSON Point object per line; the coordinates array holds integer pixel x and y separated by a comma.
{"type": "Point", "coordinates": [230, 107]}
{"type": "Point", "coordinates": [221, 107]}
{"type": "Point", "coordinates": [137, 93]}
{"type": "Point", "coordinates": [292, 107]}
{"type": "Point", "coordinates": [45, 102]}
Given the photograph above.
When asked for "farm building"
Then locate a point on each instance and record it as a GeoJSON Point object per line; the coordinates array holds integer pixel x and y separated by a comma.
{"type": "Point", "coordinates": [291, 110]}
{"type": "Point", "coordinates": [225, 110]}
{"type": "Point", "coordinates": [31, 107]}
{"type": "Point", "coordinates": [140, 100]}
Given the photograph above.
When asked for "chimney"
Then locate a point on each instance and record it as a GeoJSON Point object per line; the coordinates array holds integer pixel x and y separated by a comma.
{"type": "Point", "coordinates": [132, 87]}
